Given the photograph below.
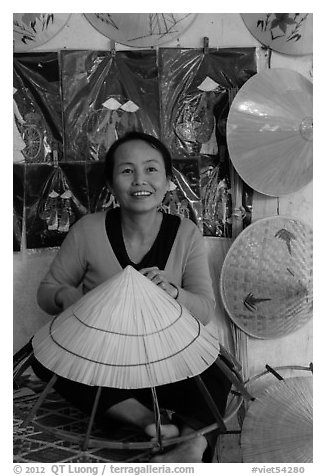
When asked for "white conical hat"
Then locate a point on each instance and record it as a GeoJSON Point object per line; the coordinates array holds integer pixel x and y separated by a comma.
{"type": "Point", "coordinates": [126, 333]}
{"type": "Point", "coordinates": [270, 132]}
{"type": "Point", "coordinates": [278, 427]}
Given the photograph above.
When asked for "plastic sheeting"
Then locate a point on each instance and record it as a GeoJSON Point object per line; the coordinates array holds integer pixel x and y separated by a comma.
{"type": "Point", "coordinates": [18, 205]}
{"type": "Point", "coordinates": [38, 105]}
{"type": "Point", "coordinates": [55, 198]}
{"type": "Point", "coordinates": [106, 95]}
{"type": "Point", "coordinates": [197, 88]}
{"type": "Point", "coordinates": [69, 107]}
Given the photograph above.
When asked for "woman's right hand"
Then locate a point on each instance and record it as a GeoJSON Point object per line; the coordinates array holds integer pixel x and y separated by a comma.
{"type": "Point", "coordinates": [158, 277]}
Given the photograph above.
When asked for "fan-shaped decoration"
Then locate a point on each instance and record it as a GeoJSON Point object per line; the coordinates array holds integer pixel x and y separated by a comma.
{"type": "Point", "coordinates": [126, 333]}
{"type": "Point", "coordinates": [269, 132]}
{"type": "Point", "coordinates": [266, 278]}
{"type": "Point", "coordinates": [35, 29]}
{"type": "Point", "coordinates": [289, 33]}
{"type": "Point", "coordinates": [278, 427]}
{"type": "Point", "coordinates": [141, 29]}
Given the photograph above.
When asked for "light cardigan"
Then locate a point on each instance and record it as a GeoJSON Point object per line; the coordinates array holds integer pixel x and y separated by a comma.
{"type": "Point", "coordinates": [86, 259]}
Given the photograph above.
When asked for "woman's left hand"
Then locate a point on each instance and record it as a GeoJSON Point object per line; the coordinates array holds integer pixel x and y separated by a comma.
{"type": "Point", "coordinates": [158, 277]}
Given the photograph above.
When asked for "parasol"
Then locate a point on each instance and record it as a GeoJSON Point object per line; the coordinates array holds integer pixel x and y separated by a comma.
{"type": "Point", "coordinates": [289, 33]}
{"type": "Point", "coordinates": [141, 29]}
{"type": "Point", "coordinates": [266, 278]}
{"type": "Point", "coordinates": [126, 333]}
{"type": "Point", "coordinates": [269, 132]}
{"type": "Point", "coordinates": [35, 29]}
{"type": "Point", "coordinates": [278, 427]}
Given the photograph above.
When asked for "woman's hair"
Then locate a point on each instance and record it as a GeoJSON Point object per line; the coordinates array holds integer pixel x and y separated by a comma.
{"type": "Point", "coordinates": [130, 136]}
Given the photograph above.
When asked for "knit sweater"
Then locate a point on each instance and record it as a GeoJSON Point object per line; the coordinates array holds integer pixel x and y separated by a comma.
{"type": "Point", "coordinates": [86, 259]}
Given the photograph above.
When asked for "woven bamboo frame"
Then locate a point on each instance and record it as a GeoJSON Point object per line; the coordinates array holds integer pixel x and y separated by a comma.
{"type": "Point", "coordinates": [88, 441]}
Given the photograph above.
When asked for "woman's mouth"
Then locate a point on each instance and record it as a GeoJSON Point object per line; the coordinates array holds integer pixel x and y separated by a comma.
{"type": "Point", "coordinates": [141, 193]}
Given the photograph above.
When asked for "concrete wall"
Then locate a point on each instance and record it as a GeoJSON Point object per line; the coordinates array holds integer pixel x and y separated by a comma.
{"type": "Point", "coordinates": [223, 30]}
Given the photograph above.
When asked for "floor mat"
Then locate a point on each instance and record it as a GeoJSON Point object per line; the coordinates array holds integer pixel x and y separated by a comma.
{"type": "Point", "coordinates": [33, 444]}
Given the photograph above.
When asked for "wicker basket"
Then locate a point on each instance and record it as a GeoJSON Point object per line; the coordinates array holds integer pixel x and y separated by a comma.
{"type": "Point", "coordinates": [266, 278]}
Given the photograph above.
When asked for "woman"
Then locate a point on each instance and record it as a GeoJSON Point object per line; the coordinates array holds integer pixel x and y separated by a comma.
{"type": "Point", "coordinates": [168, 251]}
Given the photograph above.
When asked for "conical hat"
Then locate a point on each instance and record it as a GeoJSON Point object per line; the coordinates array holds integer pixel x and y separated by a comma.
{"type": "Point", "coordinates": [141, 29]}
{"type": "Point", "coordinates": [269, 132]}
{"type": "Point", "coordinates": [288, 33]}
{"type": "Point", "coordinates": [266, 279]}
{"type": "Point", "coordinates": [278, 427]}
{"type": "Point", "coordinates": [126, 333]}
{"type": "Point", "coordinates": [35, 29]}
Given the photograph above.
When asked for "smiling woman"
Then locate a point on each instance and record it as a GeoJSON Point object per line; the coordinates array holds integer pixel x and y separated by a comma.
{"type": "Point", "coordinates": [166, 250]}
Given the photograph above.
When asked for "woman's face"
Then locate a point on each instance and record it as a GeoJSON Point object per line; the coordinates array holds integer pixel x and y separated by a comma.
{"type": "Point", "coordinates": [139, 177]}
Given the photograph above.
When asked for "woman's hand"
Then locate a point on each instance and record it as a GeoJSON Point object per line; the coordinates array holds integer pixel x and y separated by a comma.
{"type": "Point", "coordinates": [157, 276]}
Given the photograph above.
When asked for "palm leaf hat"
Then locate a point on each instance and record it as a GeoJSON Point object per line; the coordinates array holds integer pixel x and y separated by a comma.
{"type": "Point", "coordinates": [278, 427]}
{"type": "Point", "coordinates": [266, 278]}
{"type": "Point", "coordinates": [126, 333]}
{"type": "Point", "coordinates": [270, 132]}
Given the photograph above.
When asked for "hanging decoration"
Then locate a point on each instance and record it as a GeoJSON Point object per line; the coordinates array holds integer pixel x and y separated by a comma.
{"type": "Point", "coordinates": [288, 33]}
{"type": "Point", "coordinates": [35, 29]}
{"type": "Point", "coordinates": [266, 278]}
{"type": "Point", "coordinates": [37, 106]}
{"type": "Point", "coordinates": [126, 333]}
{"type": "Point", "coordinates": [278, 427]}
{"type": "Point", "coordinates": [105, 96]}
{"type": "Point", "coordinates": [18, 142]}
{"type": "Point", "coordinates": [195, 89]}
{"type": "Point", "coordinates": [53, 202]}
{"type": "Point", "coordinates": [216, 197]}
{"type": "Point", "coordinates": [141, 29]}
{"type": "Point", "coordinates": [269, 132]}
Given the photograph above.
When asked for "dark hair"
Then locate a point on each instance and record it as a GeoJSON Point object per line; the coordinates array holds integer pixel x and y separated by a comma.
{"type": "Point", "coordinates": [151, 140]}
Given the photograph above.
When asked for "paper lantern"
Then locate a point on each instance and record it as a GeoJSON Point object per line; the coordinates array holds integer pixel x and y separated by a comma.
{"type": "Point", "coordinates": [126, 333]}
{"type": "Point", "coordinates": [269, 132]}
{"type": "Point", "coordinates": [141, 29]}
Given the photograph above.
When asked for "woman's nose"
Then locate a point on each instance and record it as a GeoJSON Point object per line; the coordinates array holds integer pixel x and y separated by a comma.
{"type": "Point", "coordinates": [138, 177]}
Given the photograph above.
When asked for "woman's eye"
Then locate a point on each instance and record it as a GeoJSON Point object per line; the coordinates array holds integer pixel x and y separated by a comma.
{"type": "Point", "coordinates": [126, 171]}
{"type": "Point", "coordinates": [152, 169]}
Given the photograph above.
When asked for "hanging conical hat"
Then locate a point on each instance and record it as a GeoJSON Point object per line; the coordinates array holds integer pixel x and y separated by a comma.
{"type": "Point", "coordinates": [126, 333]}
{"type": "Point", "coordinates": [278, 427]}
{"type": "Point", "coordinates": [269, 132]}
{"type": "Point", "coordinates": [266, 278]}
{"type": "Point", "coordinates": [289, 33]}
{"type": "Point", "coordinates": [141, 29]}
{"type": "Point", "coordinates": [35, 29]}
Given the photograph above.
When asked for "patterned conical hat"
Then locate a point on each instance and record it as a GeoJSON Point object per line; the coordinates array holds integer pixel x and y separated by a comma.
{"type": "Point", "coordinates": [266, 280]}
{"type": "Point", "coordinates": [287, 33]}
{"type": "Point", "coordinates": [126, 333]}
{"type": "Point", "coordinates": [141, 29]}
